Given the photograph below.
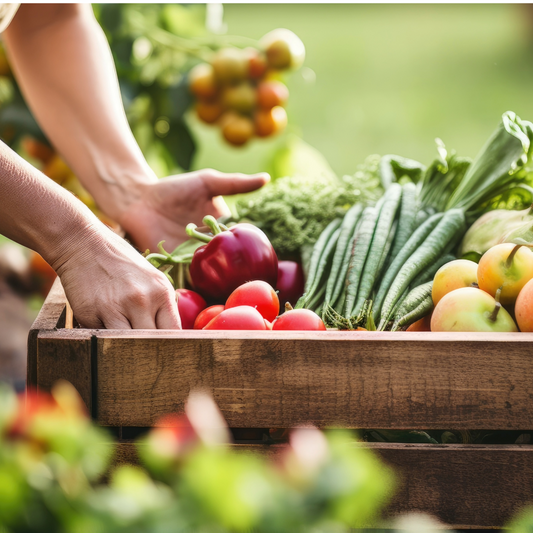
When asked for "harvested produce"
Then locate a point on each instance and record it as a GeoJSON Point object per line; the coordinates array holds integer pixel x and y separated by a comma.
{"type": "Point", "coordinates": [505, 267]}
{"type": "Point", "coordinates": [236, 89]}
{"type": "Point", "coordinates": [298, 320]}
{"type": "Point", "coordinates": [290, 285]}
{"type": "Point", "coordinates": [190, 305]}
{"type": "Point", "coordinates": [207, 315]}
{"type": "Point", "coordinates": [400, 242]}
{"type": "Point", "coordinates": [471, 309]}
{"type": "Point", "coordinates": [453, 275]}
{"type": "Point", "coordinates": [256, 294]}
{"type": "Point", "coordinates": [524, 307]}
{"type": "Point", "coordinates": [238, 318]}
{"type": "Point", "coordinates": [230, 258]}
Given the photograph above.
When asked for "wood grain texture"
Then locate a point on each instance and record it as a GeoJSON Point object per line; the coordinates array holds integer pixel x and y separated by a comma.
{"type": "Point", "coordinates": [65, 354]}
{"type": "Point", "coordinates": [465, 486]}
{"type": "Point", "coordinates": [328, 379]}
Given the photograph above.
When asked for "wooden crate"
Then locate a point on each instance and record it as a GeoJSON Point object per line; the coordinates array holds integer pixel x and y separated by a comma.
{"type": "Point", "coordinates": [330, 379]}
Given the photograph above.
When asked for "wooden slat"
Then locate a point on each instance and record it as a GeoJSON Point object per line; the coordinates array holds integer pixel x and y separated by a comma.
{"type": "Point", "coordinates": [465, 486]}
{"type": "Point", "coordinates": [395, 381]}
{"type": "Point", "coordinates": [65, 354]}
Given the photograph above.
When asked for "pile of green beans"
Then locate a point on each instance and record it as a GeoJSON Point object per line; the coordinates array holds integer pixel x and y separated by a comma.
{"type": "Point", "coordinates": [376, 265]}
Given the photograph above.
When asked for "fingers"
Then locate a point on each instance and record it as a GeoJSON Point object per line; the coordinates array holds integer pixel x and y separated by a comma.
{"type": "Point", "coordinates": [116, 321]}
{"type": "Point", "coordinates": [219, 183]}
{"type": "Point", "coordinates": [168, 318]}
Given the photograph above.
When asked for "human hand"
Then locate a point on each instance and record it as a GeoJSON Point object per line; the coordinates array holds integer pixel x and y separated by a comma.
{"type": "Point", "coordinates": [110, 285]}
{"type": "Point", "coordinates": [164, 208]}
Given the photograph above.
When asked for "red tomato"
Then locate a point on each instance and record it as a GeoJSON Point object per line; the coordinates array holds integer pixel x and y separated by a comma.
{"type": "Point", "coordinates": [290, 283]}
{"type": "Point", "coordinates": [243, 318]}
{"type": "Point", "coordinates": [207, 315]}
{"type": "Point", "coordinates": [190, 304]}
{"type": "Point", "coordinates": [300, 320]}
{"type": "Point", "coordinates": [257, 294]}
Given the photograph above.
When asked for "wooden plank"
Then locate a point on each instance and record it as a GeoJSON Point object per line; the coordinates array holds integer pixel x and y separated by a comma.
{"type": "Point", "coordinates": [465, 486]}
{"type": "Point", "coordinates": [52, 309]}
{"type": "Point", "coordinates": [347, 380]}
{"type": "Point", "coordinates": [65, 354]}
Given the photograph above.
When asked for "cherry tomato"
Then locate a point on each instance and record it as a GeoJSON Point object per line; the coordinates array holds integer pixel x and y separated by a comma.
{"type": "Point", "coordinates": [271, 93]}
{"type": "Point", "coordinates": [290, 283]}
{"type": "Point", "coordinates": [257, 64]}
{"type": "Point", "coordinates": [190, 304]}
{"type": "Point", "coordinates": [270, 121]}
{"type": "Point", "coordinates": [299, 320]}
{"type": "Point", "coordinates": [207, 315]}
{"type": "Point", "coordinates": [202, 81]}
{"type": "Point", "coordinates": [238, 318]}
{"type": "Point", "coordinates": [257, 294]}
{"type": "Point", "coordinates": [237, 129]}
{"type": "Point", "coordinates": [208, 112]}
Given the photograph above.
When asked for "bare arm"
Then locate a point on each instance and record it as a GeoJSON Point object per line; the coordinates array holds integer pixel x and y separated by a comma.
{"type": "Point", "coordinates": [64, 66]}
{"type": "Point", "coordinates": [106, 281]}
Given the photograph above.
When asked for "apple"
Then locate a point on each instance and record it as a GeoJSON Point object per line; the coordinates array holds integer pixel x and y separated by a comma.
{"type": "Point", "coordinates": [470, 309]}
{"type": "Point", "coordinates": [451, 276]}
{"type": "Point", "coordinates": [508, 266]}
{"type": "Point", "coordinates": [524, 307]}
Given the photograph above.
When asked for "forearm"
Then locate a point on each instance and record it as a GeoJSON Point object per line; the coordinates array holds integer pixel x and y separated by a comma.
{"type": "Point", "coordinates": [65, 69]}
{"type": "Point", "coordinates": [38, 213]}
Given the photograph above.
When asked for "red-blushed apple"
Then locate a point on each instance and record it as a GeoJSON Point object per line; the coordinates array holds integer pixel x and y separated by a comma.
{"type": "Point", "coordinates": [506, 266]}
{"type": "Point", "coordinates": [470, 309]}
{"type": "Point", "coordinates": [453, 275]}
{"type": "Point", "coordinates": [524, 307]}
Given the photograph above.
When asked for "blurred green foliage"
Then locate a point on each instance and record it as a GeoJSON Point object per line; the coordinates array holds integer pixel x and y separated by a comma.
{"type": "Point", "coordinates": [52, 459]}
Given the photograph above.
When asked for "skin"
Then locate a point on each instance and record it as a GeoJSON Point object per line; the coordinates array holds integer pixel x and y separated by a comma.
{"type": "Point", "coordinates": [451, 276]}
{"type": "Point", "coordinates": [64, 67]}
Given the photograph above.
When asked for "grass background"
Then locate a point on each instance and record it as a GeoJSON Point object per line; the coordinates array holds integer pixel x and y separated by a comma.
{"type": "Point", "coordinates": [390, 78]}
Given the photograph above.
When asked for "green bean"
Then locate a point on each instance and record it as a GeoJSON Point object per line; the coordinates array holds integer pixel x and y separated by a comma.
{"type": "Point", "coordinates": [359, 253]}
{"type": "Point", "coordinates": [416, 239]}
{"type": "Point", "coordinates": [325, 259]}
{"type": "Point", "coordinates": [314, 262]}
{"type": "Point", "coordinates": [386, 252]}
{"type": "Point", "coordinates": [450, 225]}
{"type": "Point", "coordinates": [417, 305]}
{"type": "Point", "coordinates": [391, 204]}
{"type": "Point", "coordinates": [406, 223]}
{"type": "Point", "coordinates": [429, 273]}
{"type": "Point", "coordinates": [342, 254]}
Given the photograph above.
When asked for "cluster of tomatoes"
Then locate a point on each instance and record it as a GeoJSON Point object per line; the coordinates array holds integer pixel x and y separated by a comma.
{"type": "Point", "coordinates": [252, 306]}
{"type": "Point", "coordinates": [240, 90]}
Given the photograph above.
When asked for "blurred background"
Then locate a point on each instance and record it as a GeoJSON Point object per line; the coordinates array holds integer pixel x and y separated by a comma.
{"type": "Point", "coordinates": [377, 79]}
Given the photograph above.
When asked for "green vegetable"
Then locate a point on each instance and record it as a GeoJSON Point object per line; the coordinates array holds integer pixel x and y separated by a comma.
{"type": "Point", "coordinates": [415, 306]}
{"type": "Point", "coordinates": [340, 261]}
{"type": "Point", "coordinates": [321, 251]}
{"type": "Point", "coordinates": [293, 211]}
{"type": "Point", "coordinates": [406, 223]}
{"type": "Point", "coordinates": [452, 223]}
{"type": "Point", "coordinates": [415, 241]}
{"type": "Point", "coordinates": [391, 203]}
{"type": "Point", "coordinates": [429, 273]}
{"type": "Point", "coordinates": [359, 254]}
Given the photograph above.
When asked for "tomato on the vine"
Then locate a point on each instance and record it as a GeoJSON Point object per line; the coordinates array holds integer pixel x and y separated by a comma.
{"type": "Point", "coordinates": [270, 121]}
{"type": "Point", "coordinates": [207, 315]}
{"type": "Point", "coordinates": [257, 294]}
{"type": "Point", "coordinates": [238, 318]}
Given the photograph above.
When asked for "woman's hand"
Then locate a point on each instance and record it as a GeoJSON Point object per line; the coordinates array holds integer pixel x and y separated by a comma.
{"type": "Point", "coordinates": [110, 285]}
{"type": "Point", "coordinates": [165, 207]}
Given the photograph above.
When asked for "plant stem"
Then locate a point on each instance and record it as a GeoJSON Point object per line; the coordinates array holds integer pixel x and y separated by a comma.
{"type": "Point", "coordinates": [192, 231]}
{"type": "Point", "coordinates": [494, 315]}
{"type": "Point", "coordinates": [509, 261]}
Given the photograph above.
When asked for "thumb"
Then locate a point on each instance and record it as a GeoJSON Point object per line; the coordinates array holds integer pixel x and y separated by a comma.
{"type": "Point", "coordinates": [220, 184]}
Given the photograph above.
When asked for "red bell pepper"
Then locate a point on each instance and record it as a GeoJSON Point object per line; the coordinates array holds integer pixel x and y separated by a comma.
{"type": "Point", "coordinates": [230, 258]}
